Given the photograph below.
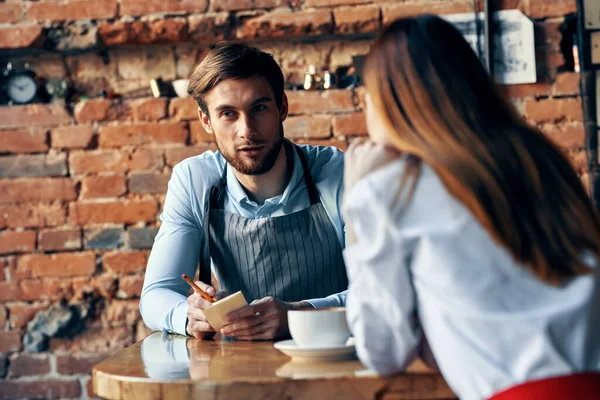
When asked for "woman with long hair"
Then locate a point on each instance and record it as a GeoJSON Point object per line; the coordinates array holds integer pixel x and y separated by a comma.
{"type": "Point", "coordinates": [468, 227]}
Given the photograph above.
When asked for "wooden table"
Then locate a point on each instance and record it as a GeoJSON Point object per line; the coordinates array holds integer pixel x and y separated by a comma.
{"type": "Point", "coordinates": [175, 367]}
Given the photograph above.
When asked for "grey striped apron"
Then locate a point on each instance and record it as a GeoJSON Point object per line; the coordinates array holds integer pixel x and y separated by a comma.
{"type": "Point", "coordinates": [292, 257]}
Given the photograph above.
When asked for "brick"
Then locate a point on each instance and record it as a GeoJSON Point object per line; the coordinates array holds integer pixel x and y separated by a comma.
{"type": "Point", "coordinates": [551, 8]}
{"type": "Point", "coordinates": [198, 134]}
{"type": "Point", "coordinates": [44, 289]}
{"type": "Point", "coordinates": [356, 19]}
{"type": "Point", "coordinates": [163, 30]}
{"type": "Point", "coordinates": [141, 238]}
{"type": "Point", "coordinates": [3, 318]}
{"type": "Point", "coordinates": [10, 12]}
{"type": "Point", "coordinates": [102, 186]}
{"type": "Point", "coordinates": [353, 124]}
{"type": "Point", "coordinates": [566, 135]}
{"type": "Point", "coordinates": [37, 189]}
{"type": "Point", "coordinates": [548, 34]}
{"type": "Point", "coordinates": [123, 312]}
{"type": "Point", "coordinates": [96, 340]}
{"type": "Point", "coordinates": [329, 3]}
{"type": "Point", "coordinates": [54, 164]}
{"type": "Point", "coordinates": [60, 239]}
{"type": "Point", "coordinates": [130, 286]}
{"type": "Point", "coordinates": [554, 110]}
{"type": "Point", "coordinates": [20, 36]}
{"type": "Point", "coordinates": [393, 11]}
{"type": "Point", "coordinates": [46, 389]}
{"type": "Point", "coordinates": [142, 331]}
{"type": "Point", "coordinates": [105, 238]}
{"type": "Point", "coordinates": [125, 262]}
{"type": "Point", "coordinates": [181, 109]}
{"type": "Point", "coordinates": [32, 216]}
{"type": "Point", "coordinates": [338, 143]}
{"type": "Point", "coordinates": [134, 7]}
{"type": "Point", "coordinates": [538, 89]}
{"type": "Point", "coordinates": [124, 135]}
{"type": "Point", "coordinates": [56, 265]}
{"type": "Point", "coordinates": [90, 66]}
{"type": "Point", "coordinates": [23, 140]}
{"type": "Point", "coordinates": [308, 101]}
{"type": "Point", "coordinates": [92, 110]}
{"type": "Point", "coordinates": [113, 212]}
{"type": "Point", "coordinates": [148, 182]}
{"type": "Point", "coordinates": [33, 115]}
{"type": "Point", "coordinates": [84, 162]}
{"type": "Point", "coordinates": [26, 364]}
{"type": "Point", "coordinates": [144, 159]}
{"type": "Point", "coordinates": [71, 10]}
{"type": "Point", "coordinates": [22, 313]}
{"type": "Point", "coordinates": [3, 264]}
{"type": "Point", "coordinates": [566, 83]}
{"type": "Point", "coordinates": [10, 341]}
{"type": "Point", "coordinates": [145, 63]}
{"type": "Point", "coordinates": [149, 109]}
{"type": "Point", "coordinates": [104, 284]}
{"type": "Point", "coordinates": [314, 127]}
{"type": "Point", "coordinates": [17, 242]}
{"type": "Point", "coordinates": [286, 24]}
{"type": "Point", "coordinates": [239, 5]}
{"type": "Point", "coordinates": [67, 364]}
{"type": "Point", "coordinates": [578, 160]}
{"type": "Point", "coordinates": [72, 137]}
{"type": "Point", "coordinates": [177, 154]}
{"type": "Point", "coordinates": [9, 291]}
{"type": "Point", "coordinates": [209, 28]}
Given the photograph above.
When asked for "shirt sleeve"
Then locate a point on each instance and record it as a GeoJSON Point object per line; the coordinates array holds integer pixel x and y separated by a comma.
{"type": "Point", "coordinates": [334, 300]}
{"type": "Point", "coordinates": [381, 306]}
{"type": "Point", "coordinates": [176, 250]}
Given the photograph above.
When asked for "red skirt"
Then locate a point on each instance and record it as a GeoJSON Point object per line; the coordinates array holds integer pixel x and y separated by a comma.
{"type": "Point", "coordinates": [584, 386]}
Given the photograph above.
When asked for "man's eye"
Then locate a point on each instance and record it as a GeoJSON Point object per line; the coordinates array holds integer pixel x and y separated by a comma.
{"type": "Point", "coordinates": [228, 114]}
{"type": "Point", "coordinates": [260, 108]}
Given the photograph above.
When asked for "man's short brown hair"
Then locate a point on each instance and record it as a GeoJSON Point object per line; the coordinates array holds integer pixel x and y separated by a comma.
{"type": "Point", "coordinates": [228, 60]}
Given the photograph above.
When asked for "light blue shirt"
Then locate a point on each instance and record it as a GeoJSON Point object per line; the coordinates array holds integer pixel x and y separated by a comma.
{"type": "Point", "coordinates": [489, 322]}
{"type": "Point", "coordinates": [176, 249]}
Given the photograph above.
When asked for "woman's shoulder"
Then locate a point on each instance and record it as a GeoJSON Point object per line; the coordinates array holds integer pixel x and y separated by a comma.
{"type": "Point", "coordinates": [430, 207]}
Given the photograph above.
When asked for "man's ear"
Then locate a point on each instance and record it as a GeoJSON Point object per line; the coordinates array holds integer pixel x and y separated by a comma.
{"type": "Point", "coordinates": [205, 120]}
{"type": "Point", "coordinates": [283, 110]}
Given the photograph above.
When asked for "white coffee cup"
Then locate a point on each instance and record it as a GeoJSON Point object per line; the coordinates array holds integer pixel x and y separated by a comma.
{"type": "Point", "coordinates": [181, 86]}
{"type": "Point", "coordinates": [320, 327]}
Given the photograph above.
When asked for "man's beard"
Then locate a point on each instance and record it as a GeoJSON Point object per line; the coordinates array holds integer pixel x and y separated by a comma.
{"type": "Point", "coordinates": [254, 167]}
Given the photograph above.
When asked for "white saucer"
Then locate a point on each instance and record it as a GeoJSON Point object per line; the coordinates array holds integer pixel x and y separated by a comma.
{"type": "Point", "coordinates": [317, 353]}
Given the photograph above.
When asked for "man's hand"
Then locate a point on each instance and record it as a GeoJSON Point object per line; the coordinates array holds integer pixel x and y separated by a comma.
{"type": "Point", "coordinates": [197, 325]}
{"type": "Point", "coordinates": [263, 319]}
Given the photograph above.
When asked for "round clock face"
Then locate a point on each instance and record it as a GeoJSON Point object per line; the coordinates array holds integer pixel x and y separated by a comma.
{"type": "Point", "coordinates": [21, 88]}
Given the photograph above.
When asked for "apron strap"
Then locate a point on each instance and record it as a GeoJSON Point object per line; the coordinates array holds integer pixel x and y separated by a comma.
{"type": "Point", "coordinates": [313, 193]}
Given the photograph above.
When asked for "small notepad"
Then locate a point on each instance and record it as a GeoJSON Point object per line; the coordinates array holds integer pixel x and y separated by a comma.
{"type": "Point", "coordinates": [216, 313]}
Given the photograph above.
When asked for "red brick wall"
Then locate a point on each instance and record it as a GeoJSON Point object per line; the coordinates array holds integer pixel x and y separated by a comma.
{"type": "Point", "coordinates": [82, 184]}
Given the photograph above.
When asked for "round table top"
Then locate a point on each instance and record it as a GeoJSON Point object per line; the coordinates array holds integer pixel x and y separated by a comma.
{"type": "Point", "coordinates": [170, 366]}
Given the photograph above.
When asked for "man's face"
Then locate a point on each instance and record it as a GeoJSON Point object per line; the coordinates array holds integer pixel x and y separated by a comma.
{"type": "Point", "coordinates": [246, 123]}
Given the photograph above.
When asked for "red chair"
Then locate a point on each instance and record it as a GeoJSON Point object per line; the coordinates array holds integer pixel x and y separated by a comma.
{"type": "Point", "coordinates": [584, 386]}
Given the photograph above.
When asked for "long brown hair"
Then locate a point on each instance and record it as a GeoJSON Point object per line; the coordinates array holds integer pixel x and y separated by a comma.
{"type": "Point", "coordinates": [440, 106]}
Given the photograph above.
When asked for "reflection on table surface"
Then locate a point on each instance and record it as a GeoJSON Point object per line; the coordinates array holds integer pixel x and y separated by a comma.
{"type": "Point", "coordinates": [174, 367]}
{"type": "Point", "coordinates": [174, 357]}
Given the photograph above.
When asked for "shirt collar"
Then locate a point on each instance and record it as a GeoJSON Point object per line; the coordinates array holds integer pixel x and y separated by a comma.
{"type": "Point", "coordinates": [235, 189]}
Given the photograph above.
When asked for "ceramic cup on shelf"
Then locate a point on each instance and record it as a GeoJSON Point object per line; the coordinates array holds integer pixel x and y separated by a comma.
{"type": "Point", "coordinates": [181, 86]}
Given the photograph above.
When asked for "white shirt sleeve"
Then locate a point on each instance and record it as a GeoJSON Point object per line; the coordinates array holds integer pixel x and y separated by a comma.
{"type": "Point", "coordinates": [381, 308]}
{"type": "Point", "coordinates": [163, 303]}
